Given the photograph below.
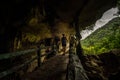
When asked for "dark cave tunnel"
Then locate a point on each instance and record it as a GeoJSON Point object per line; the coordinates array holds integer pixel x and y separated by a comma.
{"type": "Point", "coordinates": [16, 14]}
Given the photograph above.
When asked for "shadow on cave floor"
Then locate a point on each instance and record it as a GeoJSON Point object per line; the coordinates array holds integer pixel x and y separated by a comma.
{"type": "Point", "coordinates": [53, 69]}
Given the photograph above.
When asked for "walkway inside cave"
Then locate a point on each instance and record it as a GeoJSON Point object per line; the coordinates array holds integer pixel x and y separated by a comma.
{"type": "Point", "coordinates": [53, 69]}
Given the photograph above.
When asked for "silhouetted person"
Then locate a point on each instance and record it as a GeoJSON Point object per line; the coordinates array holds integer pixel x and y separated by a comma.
{"type": "Point", "coordinates": [57, 42]}
{"type": "Point", "coordinates": [64, 43]}
{"type": "Point", "coordinates": [72, 41]}
{"type": "Point", "coordinates": [51, 51]}
{"type": "Point", "coordinates": [48, 41]}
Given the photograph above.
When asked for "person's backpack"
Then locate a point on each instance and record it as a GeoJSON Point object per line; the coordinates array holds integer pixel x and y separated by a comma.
{"type": "Point", "coordinates": [64, 40]}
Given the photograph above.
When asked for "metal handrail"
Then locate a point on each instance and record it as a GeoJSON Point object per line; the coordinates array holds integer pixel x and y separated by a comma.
{"type": "Point", "coordinates": [15, 54]}
{"type": "Point", "coordinates": [20, 53]}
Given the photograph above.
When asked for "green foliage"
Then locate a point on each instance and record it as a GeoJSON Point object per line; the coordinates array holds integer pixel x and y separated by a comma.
{"type": "Point", "coordinates": [104, 39]}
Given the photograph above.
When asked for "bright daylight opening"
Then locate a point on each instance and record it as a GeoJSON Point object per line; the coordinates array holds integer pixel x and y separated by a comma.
{"type": "Point", "coordinates": [107, 16]}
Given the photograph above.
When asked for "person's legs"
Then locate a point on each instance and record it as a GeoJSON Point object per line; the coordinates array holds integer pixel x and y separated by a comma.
{"type": "Point", "coordinates": [64, 50]}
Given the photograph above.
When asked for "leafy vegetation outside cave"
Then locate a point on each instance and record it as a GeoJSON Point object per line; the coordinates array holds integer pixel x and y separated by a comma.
{"type": "Point", "coordinates": [104, 39]}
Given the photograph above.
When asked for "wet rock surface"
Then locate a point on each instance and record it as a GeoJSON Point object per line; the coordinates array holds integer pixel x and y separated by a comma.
{"type": "Point", "coordinates": [105, 66]}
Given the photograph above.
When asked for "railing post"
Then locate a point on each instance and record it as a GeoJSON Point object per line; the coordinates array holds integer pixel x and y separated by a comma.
{"type": "Point", "coordinates": [39, 56]}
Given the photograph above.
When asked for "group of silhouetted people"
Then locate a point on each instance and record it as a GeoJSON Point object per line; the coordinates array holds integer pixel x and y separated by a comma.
{"type": "Point", "coordinates": [54, 43]}
{"type": "Point", "coordinates": [58, 41]}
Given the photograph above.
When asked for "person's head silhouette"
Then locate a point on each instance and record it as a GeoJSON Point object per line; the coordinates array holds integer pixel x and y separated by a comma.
{"type": "Point", "coordinates": [63, 35]}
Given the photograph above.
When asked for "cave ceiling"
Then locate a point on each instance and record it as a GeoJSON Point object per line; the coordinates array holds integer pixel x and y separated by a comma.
{"type": "Point", "coordinates": [15, 13]}
{"type": "Point", "coordinates": [88, 11]}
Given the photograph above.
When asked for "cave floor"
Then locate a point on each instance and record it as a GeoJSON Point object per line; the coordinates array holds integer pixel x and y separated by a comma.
{"type": "Point", "coordinates": [53, 69]}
